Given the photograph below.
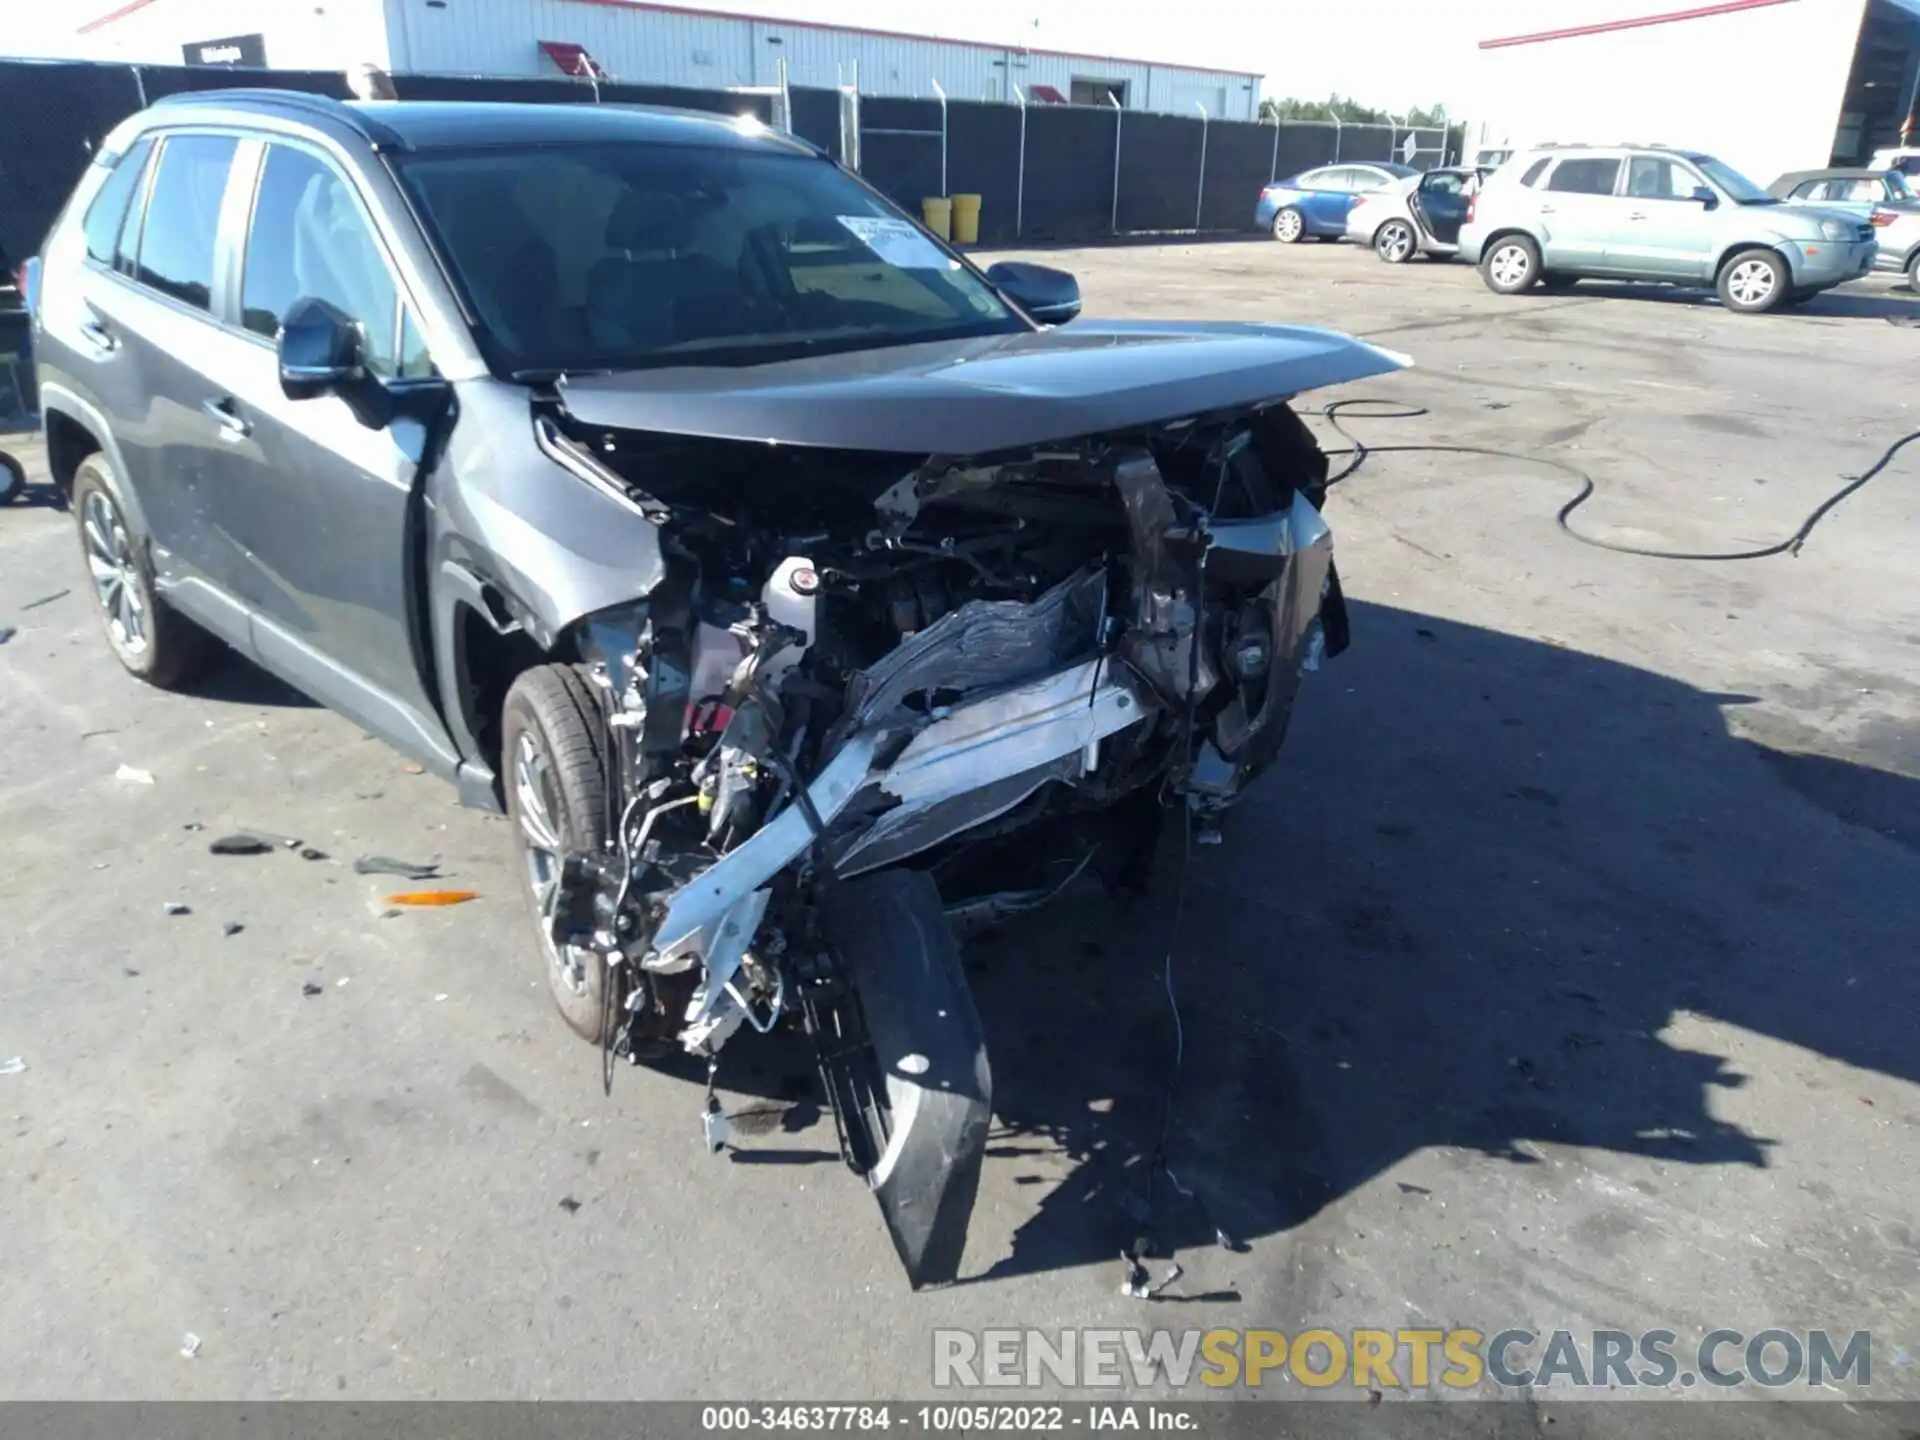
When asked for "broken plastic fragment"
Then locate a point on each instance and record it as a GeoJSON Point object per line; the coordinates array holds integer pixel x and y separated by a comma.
{"type": "Point", "coordinates": [232, 928]}
{"type": "Point", "coordinates": [569, 1204]}
{"type": "Point", "coordinates": [433, 897]}
{"type": "Point", "coordinates": [309, 989]}
{"type": "Point", "coordinates": [177, 907]}
{"type": "Point", "coordinates": [7, 632]}
{"type": "Point", "coordinates": [15, 1066]}
{"type": "Point", "coordinates": [312, 854]}
{"type": "Point", "coordinates": [134, 775]}
{"type": "Point", "coordinates": [241, 845]}
{"type": "Point", "coordinates": [189, 1345]}
{"type": "Point", "coordinates": [387, 865]}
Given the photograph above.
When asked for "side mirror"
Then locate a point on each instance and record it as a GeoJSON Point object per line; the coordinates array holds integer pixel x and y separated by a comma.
{"type": "Point", "coordinates": [1050, 296]}
{"type": "Point", "coordinates": [1706, 197]}
{"type": "Point", "coordinates": [323, 352]}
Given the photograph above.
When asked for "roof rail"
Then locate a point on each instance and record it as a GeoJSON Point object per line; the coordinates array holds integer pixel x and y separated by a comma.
{"type": "Point", "coordinates": [303, 102]}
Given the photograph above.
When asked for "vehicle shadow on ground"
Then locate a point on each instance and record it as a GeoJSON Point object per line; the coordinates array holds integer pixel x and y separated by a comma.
{"type": "Point", "coordinates": [1829, 304]}
{"type": "Point", "coordinates": [1488, 873]}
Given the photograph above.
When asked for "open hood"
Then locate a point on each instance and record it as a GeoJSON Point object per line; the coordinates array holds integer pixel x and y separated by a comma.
{"type": "Point", "coordinates": [966, 397]}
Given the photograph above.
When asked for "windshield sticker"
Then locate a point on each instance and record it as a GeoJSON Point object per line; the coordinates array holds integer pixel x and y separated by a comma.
{"type": "Point", "coordinates": [897, 242]}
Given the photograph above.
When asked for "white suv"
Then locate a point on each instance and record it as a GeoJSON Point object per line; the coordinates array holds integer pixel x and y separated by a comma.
{"type": "Point", "coordinates": [1556, 214]}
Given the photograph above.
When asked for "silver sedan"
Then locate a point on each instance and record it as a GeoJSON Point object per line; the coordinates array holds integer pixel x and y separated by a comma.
{"type": "Point", "coordinates": [1420, 215]}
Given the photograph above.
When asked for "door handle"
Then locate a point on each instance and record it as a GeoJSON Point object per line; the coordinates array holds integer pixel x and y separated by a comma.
{"type": "Point", "coordinates": [232, 427]}
{"type": "Point", "coordinates": [98, 336]}
{"type": "Point", "coordinates": [1636, 215]}
{"type": "Point", "coordinates": [1546, 209]}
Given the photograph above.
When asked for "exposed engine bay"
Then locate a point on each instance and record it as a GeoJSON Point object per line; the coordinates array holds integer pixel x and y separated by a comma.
{"type": "Point", "coordinates": [862, 673]}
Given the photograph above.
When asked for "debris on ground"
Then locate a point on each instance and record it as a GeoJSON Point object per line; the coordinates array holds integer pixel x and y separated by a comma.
{"type": "Point", "coordinates": [341, 982]}
{"type": "Point", "coordinates": [14, 1066]}
{"type": "Point", "coordinates": [178, 907]}
{"type": "Point", "coordinates": [189, 1345]}
{"type": "Point", "coordinates": [241, 845]}
{"type": "Point", "coordinates": [1410, 1189]}
{"type": "Point", "coordinates": [312, 854]}
{"type": "Point", "coordinates": [231, 928]}
{"type": "Point", "coordinates": [46, 599]}
{"type": "Point", "coordinates": [433, 897]}
{"type": "Point", "coordinates": [1139, 1285]}
{"type": "Point", "coordinates": [414, 769]}
{"type": "Point", "coordinates": [134, 775]}
{"type": "Point", "coordinates": [391, 914]}
{"type": "Point", "coordinates": [309, 989]}
{"type": "Point", "coordinates": [569, 1204]}
{"type": "Point", "coordinates": [7, 632]}
{"type": "Point", "coordinates": [193, 825]}
{"type": "Point", "coordinates": [441, 996]}
{"type": "Point", "coordinates": [387, 865]}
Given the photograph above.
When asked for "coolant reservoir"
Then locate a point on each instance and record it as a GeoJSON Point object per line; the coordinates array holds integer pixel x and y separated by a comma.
{"type": "Point", "coordinates": [792, 597]}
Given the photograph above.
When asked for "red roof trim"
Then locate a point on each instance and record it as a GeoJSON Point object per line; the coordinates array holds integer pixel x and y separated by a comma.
{"type": "Point", "coordinates": [1607, 27]}
{"type": "Point", "coordinates": [663, 9]}
{"type": "Point", "coordinates": [112, 15]}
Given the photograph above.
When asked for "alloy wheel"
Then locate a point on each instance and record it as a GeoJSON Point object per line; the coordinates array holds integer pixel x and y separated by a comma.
{"type": "Point", "coordinates": [1287, 225]}
{"type": "Point", "coordinates": [1752, 282]}
{"type": "Point", "coordinates": [1510, 267]}
{"type": "Point", "coordinates": [116, 577]}
{"type": "Point", "coordinates": [536, 805]}
{"type": "Point", "coordinates": [1395, 243]}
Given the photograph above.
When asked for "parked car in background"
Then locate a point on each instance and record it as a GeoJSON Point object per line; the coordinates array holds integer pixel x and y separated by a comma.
{"type": "Point", "coordinates": [1417, 216]}
{"type": "Point", "coordinates": [1316, 202]}
{"type": "Point", "coordinates": [1883, 198]}
{"type": "Point", "coordinates": [1678, 217]}
{"type": "Point", "coordinates": [1904, 158]}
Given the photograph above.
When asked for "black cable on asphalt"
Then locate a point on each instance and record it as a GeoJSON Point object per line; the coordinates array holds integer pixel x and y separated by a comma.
{"type": "Point", "coordinates": [1383, 409]}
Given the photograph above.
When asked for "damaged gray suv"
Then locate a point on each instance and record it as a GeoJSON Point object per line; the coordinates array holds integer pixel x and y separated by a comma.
{"type": "Point", "coordinates": [804, 595]}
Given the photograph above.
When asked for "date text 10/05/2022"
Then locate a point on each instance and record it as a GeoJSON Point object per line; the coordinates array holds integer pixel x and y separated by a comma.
{"type": "Point", "coordinates": [951, 1419]}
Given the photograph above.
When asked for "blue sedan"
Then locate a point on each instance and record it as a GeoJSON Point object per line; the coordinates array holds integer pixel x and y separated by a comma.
{"type": "Point", "coordinates": [1315, 202]}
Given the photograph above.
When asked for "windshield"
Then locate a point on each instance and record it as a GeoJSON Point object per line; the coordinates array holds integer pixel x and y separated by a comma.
{"type": "Point", "coordinates": [627, 256]}
{"type": "Point", "coordinates": [1737, 186]}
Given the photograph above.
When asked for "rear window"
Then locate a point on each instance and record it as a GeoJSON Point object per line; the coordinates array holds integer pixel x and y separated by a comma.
{"type": "Point", "coordinates": [1536, 170]}
{"type": "Point", "coordinates": [1585, 176]}
{"type": "Point", "coordinates": [109, 208]}
{"type": "Point", "coordinates": [183, 216]}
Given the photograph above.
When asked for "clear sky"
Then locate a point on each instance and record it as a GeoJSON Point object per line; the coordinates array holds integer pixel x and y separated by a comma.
{"type": "Point", "coordinates": [1386, 53]}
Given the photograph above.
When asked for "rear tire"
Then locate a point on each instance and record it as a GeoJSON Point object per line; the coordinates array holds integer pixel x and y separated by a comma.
{"type": "Point", "coordinates": [13, 479]}
{"type": "Point", "coordinates": [1913, 273]}
{"type": "Point", "coordinates": [148, 637]}
{"type": "Point", "coordinates": [1754, 282]}
{"type": "Point", "coordinates": [1395, 243]}
{"type": "Point", "coordinates": [1289, 226]}
{"type": "Point", "coordinates": [553, 768]}
{"type": "Point", "coordinates": [1511, 265]}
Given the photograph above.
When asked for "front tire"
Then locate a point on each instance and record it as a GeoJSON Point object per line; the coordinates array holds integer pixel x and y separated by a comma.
{"type": "Point", "coordinates": [554, 771]}
{"type": "Point", "coordinates": [1754, 282]}
{"type": "Point", "coordinates": [1395, 242]}
{"type": "Point", "coordinates": [1511, 265]}
{"type": "Point", "coordinates": [13, 479]}
{"type": "Point", "coordinates": [1913, 273]}
{"type": "Point", "coordinates": [148, 637]}
{"type": "Point", "coordinates": [1289, 226]}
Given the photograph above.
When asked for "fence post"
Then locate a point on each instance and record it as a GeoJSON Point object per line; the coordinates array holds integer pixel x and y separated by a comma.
{"type": "Point", "coordinates": [1273, 168]}
{"type": "Point", "coordinates": [1020, 177]}
{"type": "Point", "coordinates": [1118, 115]}
{"type": "Point", "coordinates": [1336, 138]}
{"type": "Point", "coordinates": [943, 133]}
{"type": "Point", "coordinates": [1200, 196]}
{"type": "Point", "coordinates": [786, 95]}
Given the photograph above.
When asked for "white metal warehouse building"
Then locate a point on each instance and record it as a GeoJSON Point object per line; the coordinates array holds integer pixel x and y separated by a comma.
{"type": "Point", "coordinates": [639, 42]}
{"type": "Point", "coordinates": [1766, 85]}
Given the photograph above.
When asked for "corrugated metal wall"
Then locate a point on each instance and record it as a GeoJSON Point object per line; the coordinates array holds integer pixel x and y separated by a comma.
{"type": "Point", "coordinates": [671, 47]}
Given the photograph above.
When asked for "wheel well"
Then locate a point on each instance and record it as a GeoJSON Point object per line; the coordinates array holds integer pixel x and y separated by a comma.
{"type": "Point", "coordinates": [1720, 266]}
{"type": "Point", "coordinates": [68, 443]}
{"type": "Point", "coordinates": [487, 662]}
{"type": "Point", "coordinates": [1506, 234]}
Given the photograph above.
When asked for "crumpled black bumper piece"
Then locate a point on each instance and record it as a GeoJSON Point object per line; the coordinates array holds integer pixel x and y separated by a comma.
{"type": "Point", "coordinates": [890, 935]}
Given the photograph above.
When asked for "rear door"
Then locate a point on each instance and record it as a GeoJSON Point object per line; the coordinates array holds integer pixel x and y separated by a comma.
{"type": "Point", "coordinates": [326, 508]}
{"type": "Point", "coordinates": [1440, 204]}
{"type": "Point", "coordinates": [1326, 198]}
{"type": "Point", "coordinates": [1667, 234]}
{"type": "Point", "coordinates": [1580, 213]}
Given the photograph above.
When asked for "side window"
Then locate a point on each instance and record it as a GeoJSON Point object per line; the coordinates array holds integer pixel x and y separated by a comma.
{"type": "Point", "coordinates": [1365, 181]}
{"type": "Point", "coordinates": [1653, 177]}
{"type": "Point", "coordinates": [1857, 190]}
{"type": "Point", "coordinates": [415, 363]}
{"type": "Point", "coordinates": [1536, 170]}
{"type": "Point", "coordinates": [183, 215]}
{"type": "Point", "coordinates": [1317, 180]}
{"type": "Point", "coordinates": [1584, 176]}
{"type": "Point", "coordinates": [1442, 182]}
{"type": "Point", "coordinates": [1811, 190]}
{"type": "Point", "coordinates": [109, 208]}
{"type": "Point", "coordinates": [310, 239]}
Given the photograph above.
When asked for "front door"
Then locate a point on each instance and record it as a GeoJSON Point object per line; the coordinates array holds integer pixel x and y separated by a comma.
{"type": "Point", "coordinates": [333, 521]}
{"type": "Point", "coordinates": [1668, 234]}
{"type": "Point", "coordinates": [1440, 205]}
{"type": "Point", "coordinates": [1579, 213]}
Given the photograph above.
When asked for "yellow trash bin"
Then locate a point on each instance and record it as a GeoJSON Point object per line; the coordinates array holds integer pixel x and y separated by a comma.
{"type": "Point", "coordinates": [937, 212]}
{"type": "Point", "coordinates": [966, 219]}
